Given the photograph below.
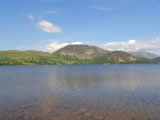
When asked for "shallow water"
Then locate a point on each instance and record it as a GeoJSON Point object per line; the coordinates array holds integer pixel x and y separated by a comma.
{"type": "Point", "coordinates": [80, 92]}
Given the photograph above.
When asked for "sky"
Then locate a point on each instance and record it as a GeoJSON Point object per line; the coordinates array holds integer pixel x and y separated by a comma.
{"type": "Point", "coordinates": [48, 25]}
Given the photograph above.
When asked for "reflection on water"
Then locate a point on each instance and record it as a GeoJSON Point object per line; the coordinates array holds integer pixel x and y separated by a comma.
{"type": "Point", "coordinates": [80, 92]}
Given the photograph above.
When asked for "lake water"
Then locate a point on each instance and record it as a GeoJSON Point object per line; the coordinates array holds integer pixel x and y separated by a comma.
{"type": "Point", "coordinates": [80, 92]}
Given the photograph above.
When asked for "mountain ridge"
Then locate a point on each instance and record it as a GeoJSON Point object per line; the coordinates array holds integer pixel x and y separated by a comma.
{"type": "Point", "coordinates": [71, 54]}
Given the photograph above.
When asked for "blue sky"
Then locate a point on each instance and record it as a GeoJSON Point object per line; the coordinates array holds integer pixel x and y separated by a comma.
{"type": "Point", "coordinates": [52, 24]}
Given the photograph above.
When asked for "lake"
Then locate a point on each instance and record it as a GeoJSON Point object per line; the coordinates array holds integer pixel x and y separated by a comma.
{"type": "Point", "coordinates": [80, 92]}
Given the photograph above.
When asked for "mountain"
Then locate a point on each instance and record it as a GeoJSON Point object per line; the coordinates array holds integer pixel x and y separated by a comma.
{"type": "Point", "coordinates": [82, 51]}
{"type": "Point", "coordinates": [146, 55]}
{"type": "Point", "coordinates": [96, 54]}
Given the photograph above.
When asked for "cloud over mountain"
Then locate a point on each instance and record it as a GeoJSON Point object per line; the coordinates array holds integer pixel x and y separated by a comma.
{"type": "Point", "coordinates": [152, 46]}
{"type": "Point", "coordinates": [56, 45]}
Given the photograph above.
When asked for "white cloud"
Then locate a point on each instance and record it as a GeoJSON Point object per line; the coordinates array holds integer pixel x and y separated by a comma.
{"type": "Point", "coordinates": [30, 17]}
{"type": "Point", "coordinates": [128, 45]}
{"type": "Point", "coordinates": [49, 27]}
{"type": "Point", "coordinates": [56, 45]}
{"type": "Point", "coordinates": [152, 46]}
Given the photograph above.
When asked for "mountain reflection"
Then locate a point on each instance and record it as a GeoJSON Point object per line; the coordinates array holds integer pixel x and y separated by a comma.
{"type": "Point", "coordinates": [76, 79]}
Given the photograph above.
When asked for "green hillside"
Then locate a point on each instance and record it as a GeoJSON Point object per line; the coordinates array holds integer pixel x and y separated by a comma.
{"type": "Point", "coordinates": [35, 58]}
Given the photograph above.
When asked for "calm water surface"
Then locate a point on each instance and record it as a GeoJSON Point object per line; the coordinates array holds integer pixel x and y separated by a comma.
{"type": "Point", "coordinates": [80, 92]}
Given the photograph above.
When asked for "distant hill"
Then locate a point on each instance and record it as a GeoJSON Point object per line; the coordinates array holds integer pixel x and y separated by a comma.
{"type": "Point", "coordinates": [157, 59]}
{"type": "Point", "coordinates": [146, 55]}
{"type": "Point", "coordinates": [82, 51]}
{"type": "Point", "coordinates": [116, 57]}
